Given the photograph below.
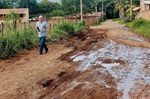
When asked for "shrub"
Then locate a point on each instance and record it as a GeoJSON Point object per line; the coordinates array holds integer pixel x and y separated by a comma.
{"type": "Point", "coordinates": [116, 19]}
{"type": "Point", "coordinates": [6, 48]}
{"type": "Point", "coordinates": [96, 24]}
{"type": "Point", "coordinates": [140, 26]}
{"type": "Point", "coordinates": [67, 27]}
{"type": "Point", "coordinates": [138, 23]}
{"type": "Point", "coordinates": [83, 23]}
{"type": "Point", "coordinates": [12, 42]}
{"type": "Point", "coordinates": [127, 19]}
{"type": "Point", "coordinates": [80, 26]}
{"type": "Point", "coordinates": [56, 33]}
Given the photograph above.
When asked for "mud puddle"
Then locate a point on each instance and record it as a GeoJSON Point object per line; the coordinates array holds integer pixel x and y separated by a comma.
{"type": "Point", "coordinates": [131, 72]}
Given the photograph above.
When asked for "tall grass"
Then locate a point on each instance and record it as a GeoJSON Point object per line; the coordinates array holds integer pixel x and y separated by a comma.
{"type": "Point", "coordinates": [140, 26]}
{"type": "Point", "coordinates": [96, 24]}
{"type": "Point", "coordinates": [117, 19]}
{"type": "Point", "coordinates": [13, 41]}
{"type": "Point", "coordinates": [66, 28]}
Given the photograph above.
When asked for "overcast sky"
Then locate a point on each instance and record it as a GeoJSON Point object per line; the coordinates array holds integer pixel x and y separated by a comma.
{"type": "Point", "coordinates": [49, 0]}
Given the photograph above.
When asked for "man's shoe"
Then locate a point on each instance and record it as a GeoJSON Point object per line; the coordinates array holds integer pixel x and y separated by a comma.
{"type": "Point", "coordinates": [46, 51]}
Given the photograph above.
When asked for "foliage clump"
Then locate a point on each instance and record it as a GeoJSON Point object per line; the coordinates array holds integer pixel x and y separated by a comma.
{"type": "Point", "coordinates": [140, 26]}
{"type": "Point", "coordinates": [67, 28]}
{"type": "Point", "coordinates": [15, 41]}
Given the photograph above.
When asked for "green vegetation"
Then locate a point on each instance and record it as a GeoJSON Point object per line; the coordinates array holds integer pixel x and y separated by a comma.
{"type": "Point", "coordinates": [14, 17]}
{"type": "Point", "coordinates": [67, 28]}
{"type": "Point", "coordinates": [112, 8]}
{"type": "Point", "coordinates": [96, 24]}
{"type": "Point", "coordinates": [140, 26]}
{"type": "Point", "coordinates": [12, 42]}
{"type": "Point", "coordinates": [57, 33]}
{"type": "Point", "coordinates": [117, 19]}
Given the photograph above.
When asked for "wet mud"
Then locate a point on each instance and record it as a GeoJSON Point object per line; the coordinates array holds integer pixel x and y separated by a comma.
{"type": "Point", "coordinates": [107, 69]}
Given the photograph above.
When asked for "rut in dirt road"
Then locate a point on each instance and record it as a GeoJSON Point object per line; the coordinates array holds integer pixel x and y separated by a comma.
{"type": "Point", "coordinates": [112, 68]}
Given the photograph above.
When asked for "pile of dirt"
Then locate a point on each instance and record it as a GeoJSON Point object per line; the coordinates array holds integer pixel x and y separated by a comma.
{"type": "Point", "coordinates": [83, 40]}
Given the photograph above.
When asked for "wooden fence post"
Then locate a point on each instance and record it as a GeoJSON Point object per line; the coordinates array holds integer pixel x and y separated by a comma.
{"type": "Point", "coordinates": [2, 28]}
{"type": "Point", "coordinates": [50, 26]}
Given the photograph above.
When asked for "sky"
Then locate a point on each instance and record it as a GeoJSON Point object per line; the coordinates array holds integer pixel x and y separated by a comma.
{"type": "Point", "coordinates": [48, 0]}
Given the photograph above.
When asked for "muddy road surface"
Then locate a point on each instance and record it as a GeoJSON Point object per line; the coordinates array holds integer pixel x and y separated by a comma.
{"type": "Point", "coordinates": [100, 62]}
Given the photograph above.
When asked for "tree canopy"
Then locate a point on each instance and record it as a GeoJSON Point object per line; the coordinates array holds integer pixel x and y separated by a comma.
{"type": "Point", "coordinates": [67, 7]}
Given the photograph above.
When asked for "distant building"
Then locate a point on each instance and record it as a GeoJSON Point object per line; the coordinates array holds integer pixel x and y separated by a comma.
{"type": "Point", "coordinates": [23, 13]}
{"type": "Point", "coordinates": [145, 9]}
{"type": "Point", "coordinates": [145, 5]}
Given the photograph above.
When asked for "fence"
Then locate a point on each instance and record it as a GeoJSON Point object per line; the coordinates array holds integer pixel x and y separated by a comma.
{"type": "Point", "coordinates": [145, 14]}
{"type": "Point", "coordinates": [57, 21]}
{"type": "Point", "coordinates": [52, 23]}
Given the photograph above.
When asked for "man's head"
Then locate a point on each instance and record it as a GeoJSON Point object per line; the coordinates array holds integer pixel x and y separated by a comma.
{"type": "Point", "coordinates": [41, 18]}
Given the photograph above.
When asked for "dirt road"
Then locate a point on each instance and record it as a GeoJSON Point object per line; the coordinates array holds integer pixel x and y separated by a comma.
{"type": "Point", "coordinates": [101, 62]}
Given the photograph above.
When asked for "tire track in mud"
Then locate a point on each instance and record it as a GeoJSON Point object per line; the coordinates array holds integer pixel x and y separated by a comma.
{"type": "Point", "coordinates": [105, 68]}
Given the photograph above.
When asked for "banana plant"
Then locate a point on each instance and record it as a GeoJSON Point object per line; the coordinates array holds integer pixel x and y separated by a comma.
{"type": "Point", "coordinates": [121, 5]}
{"type": "Point", "coordinates": [13, 18]}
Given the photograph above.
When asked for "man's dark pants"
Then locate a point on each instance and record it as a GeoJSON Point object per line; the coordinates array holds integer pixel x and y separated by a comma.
{"type": "Point", "coordinates": [42, 44]}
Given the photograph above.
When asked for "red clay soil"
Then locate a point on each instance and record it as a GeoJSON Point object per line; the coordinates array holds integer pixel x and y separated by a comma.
{"type": "Point", "coordinates": [31, 76]}
{"type": "Point", "coordinates": [73, 84]}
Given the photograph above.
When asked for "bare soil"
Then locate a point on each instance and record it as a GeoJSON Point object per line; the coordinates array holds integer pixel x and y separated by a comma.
{"type": "Point", "coordinates": [101, 62]}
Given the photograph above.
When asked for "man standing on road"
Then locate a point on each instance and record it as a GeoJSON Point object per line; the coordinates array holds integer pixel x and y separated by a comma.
{"type": "Point", "coordinates": [41, 28]}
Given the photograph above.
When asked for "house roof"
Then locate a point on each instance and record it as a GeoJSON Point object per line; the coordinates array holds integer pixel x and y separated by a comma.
{"type": "Point", "coordinates": [19, 11]}
{"type": "Point", "coordinates": [147, 1]}
{"type": "Point", "coordinates": [93, 14]}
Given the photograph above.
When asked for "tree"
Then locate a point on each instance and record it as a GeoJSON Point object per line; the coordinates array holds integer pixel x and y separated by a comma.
{"type": "Point", "coordinates": [124, 7]}
{"type": "Point", "coordinates": [13, 17]}
{"type": "Point", "coordinates": [57, 13]}
{"type": "Point", "coordinates": [3, 4]}
{"type": "Point", "coordinates": [121, 4]}
{"type": "Point", "coordinates": [31, 4]}
{"type": "Point", "coordinates": [70, 6]}
{"type": "Point", "coordinates": [46, 7]}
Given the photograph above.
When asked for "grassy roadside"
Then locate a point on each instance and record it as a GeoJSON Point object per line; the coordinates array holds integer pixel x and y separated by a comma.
{"type": "Point", "coordinates": [96, 24]}
{"type": "Point", "coordinates": [140, 26]}
{"type": "Point", "coordinates": [14, 41]}
{"type": "Point", "coordinates": [65, 29]}
{"type": "Point", "coordinates": [117, 19]}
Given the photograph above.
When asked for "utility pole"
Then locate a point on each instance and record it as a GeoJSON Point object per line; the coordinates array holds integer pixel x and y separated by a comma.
{"type": "Point", "coordinates": [102, 10]}
{"type": "Point", "coordinates": [96, 11]}
{"type": "Point", "coordinates": [81, 10]}
{"type": "Point", "coordinates": [130, 10]}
